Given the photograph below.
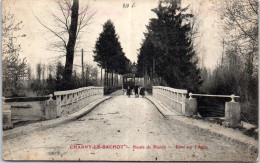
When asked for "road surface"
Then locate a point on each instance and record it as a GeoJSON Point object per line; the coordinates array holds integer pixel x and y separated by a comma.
{"type": "Point", "coordinates": [124, 128]}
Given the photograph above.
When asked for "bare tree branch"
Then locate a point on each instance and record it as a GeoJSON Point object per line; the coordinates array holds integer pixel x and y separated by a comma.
{"type": "Point", "coordinates": [55, 33]}
{"type": "Point", "coordinates": [255, 10]}
{"type": "Point", "coordinates": [63, 20]}
{"type": "Point", "coordinates": [241, 28]}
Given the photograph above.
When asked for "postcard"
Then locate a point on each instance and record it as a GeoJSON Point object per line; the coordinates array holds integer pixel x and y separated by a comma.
{"type": "Point", "coordinates": [130, 80]}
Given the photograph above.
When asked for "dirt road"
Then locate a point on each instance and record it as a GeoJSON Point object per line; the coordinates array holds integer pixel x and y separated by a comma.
{"type": "Point", "coordinates": [124, 128]}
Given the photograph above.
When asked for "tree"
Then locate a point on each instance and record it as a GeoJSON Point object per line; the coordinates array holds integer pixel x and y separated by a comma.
{"type": "Point", "coordinates": [50, 69]}
{"type": "Point", "coordinates": [169, 41]}
{"type": "Point", "coordinates": [241, 15]}
{"type": "Point", "coordinates": [14, 67]}
{"type": "Point", "coordinates": [50, 86]}
{"type": "Point", "coordinates": [108, 52]}
{"type": "Point", "coordinates": [91, 75]}
{"type": "Point", "coordinates": [121, 63]}
{"type": "Point", "coordinates": [146, 57]}
{"type": "Point", "coordinates": [59, 76]}
{"type": "Point", "coordinates": [239, 65]}
{"type": "Point", "coordinates": [70, 22]}
{"type": "Point", "coordinates": [29, 73]}
{"type": "Point", "coordinates": [237, 71]}
{"type": "Point", "coordinates": [39, 71]}
{"type": "Point", "coordinates": [43, 71]}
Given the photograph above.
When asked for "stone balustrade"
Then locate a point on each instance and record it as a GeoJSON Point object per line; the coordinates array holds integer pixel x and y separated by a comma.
{"type": "Point", "coordinates": [70, 101]}
{"type": "Point", "coordinates": [174, 98]}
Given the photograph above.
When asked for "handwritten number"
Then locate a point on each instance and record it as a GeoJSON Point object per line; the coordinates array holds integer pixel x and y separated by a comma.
{"type": "Point", "coordinates": [126, 5]}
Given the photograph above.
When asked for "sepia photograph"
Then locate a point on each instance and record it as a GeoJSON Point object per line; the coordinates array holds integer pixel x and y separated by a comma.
{"type": "Point", "coordinates": [130, 80]}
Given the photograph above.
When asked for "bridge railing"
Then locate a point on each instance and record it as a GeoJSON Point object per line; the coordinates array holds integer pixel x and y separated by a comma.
{"type": "Point", "coordinates": [232, 108]}
{"type": "Point", "coordinates": [219, 96]}
{"type": "Point", "coordinates": [175, 98]}
{"type": "Point", "coordinates": [70, 101]}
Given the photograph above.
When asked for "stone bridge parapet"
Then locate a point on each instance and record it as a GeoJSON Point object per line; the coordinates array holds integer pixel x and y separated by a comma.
{"type": "Point", "coordinates": [174, 98]}
{"type": "Point", "coordinates": [72, 100]}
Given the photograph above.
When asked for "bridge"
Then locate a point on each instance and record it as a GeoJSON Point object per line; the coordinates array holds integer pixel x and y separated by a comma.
{"type": "Point", "coordinates": [86, 125]}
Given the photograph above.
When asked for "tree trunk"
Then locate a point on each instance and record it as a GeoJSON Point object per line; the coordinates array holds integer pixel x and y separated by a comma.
{"type": "Point", "coordinates": [112, 79]}
{"type": "Point", "coordinates": [153, 70]}
{"type": "Point", "coordinates": [71, 45]}
{"type": "Point", "coordinates": [145, 77]}
{"type": "Point", "coordinates": [101, 78]}
{"type": "Point", "coordinates": [109, 79]}
{"type": "Point", "coordinates": [116, 79]}
{"type": "Point", "coordinates": [105, 78]}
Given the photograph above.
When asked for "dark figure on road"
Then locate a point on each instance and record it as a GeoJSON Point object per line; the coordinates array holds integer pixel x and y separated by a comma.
{"type": "Point", "coordinates": [128, 91]}
{"type": "Point", "coordinates": [142, 91]}
{"type": "Point", "coordinates": [136, 91]}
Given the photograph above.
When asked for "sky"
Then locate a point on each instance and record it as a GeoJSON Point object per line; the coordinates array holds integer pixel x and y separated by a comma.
{"type": "Point", "coordinates": [130, 24]}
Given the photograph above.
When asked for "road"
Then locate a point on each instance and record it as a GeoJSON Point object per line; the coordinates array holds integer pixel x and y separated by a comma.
{"type": "Point", "coordinates": [130, 124]}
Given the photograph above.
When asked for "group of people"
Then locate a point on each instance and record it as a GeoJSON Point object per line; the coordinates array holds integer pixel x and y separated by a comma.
{"type": "Point", "coordinates": [137, 90]}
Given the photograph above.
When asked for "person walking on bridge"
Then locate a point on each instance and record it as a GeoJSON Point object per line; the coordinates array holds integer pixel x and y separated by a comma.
{"type": "Point", "coordinates": [136, 91]}
{"type": "Point", "coordinates": [128, 91]}
{"type": "Point", "coordinates": [142, 91]}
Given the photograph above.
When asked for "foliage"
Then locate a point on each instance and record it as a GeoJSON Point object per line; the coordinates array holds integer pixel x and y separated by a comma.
{"type": "Point", "coordinates": [14, 67]}
{"type": "Point", "coordinates": [108, 52]}
{"type": "Point", "coordinates": [145, 58]}
{"type": "Point", "coordinates": [168, 41]}
{"type": "Point", "coordinates": [43, 86]}
{"type": "Point", "coordinates": [91, 75]}
{"type": "Point", "coordinates": [239, 66]}
{"type": "Point", "coordinates": [237, 72]}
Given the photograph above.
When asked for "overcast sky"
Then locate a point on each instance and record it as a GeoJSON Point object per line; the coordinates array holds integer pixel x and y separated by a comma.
{"type": "Point", "coordinates": [129, 24]}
